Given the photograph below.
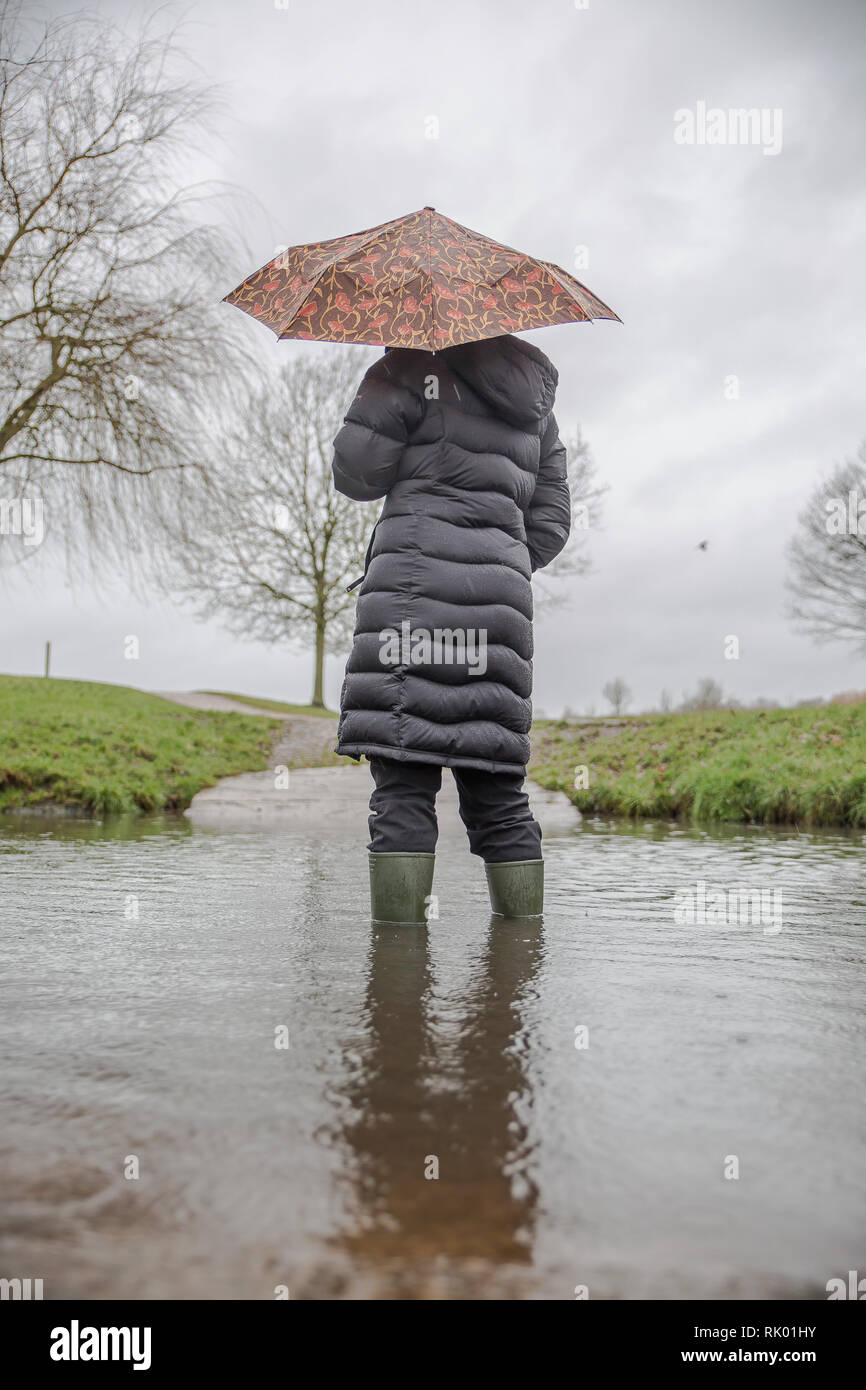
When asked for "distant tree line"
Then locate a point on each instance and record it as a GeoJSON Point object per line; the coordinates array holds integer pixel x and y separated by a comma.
{"type": "Point", "coordinates": [708, 695]}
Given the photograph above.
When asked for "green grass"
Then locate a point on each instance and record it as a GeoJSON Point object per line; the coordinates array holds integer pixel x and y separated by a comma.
{"type": "Point", "coordinates": [802, 767]}
{"type": "Point", "coordinates": [276, 705]}
{"type": "Point", "coordinates": [107, 749]}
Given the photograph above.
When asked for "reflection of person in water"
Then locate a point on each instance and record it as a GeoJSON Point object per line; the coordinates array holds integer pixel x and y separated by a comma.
{"type": "Point", "coordinates": [442, 1085]}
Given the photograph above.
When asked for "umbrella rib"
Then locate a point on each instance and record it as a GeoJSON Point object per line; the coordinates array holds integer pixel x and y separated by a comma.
{"type": "Point", "coordinates": [587, 318]}
{"type": "Point", "coordinates": [559, 273]}
{"type": "Point", "coordinates": [329, 265]}
{"type": "Point", "coordinates": [430, 283]}
{"type": "Point", "coordinates": [359, 245]}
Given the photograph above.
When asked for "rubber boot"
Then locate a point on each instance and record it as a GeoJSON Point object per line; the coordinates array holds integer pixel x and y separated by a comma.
{"type": "Point", "coordinates": [516, 889]}
{"type": "Point", "coordinates": [400, 886]}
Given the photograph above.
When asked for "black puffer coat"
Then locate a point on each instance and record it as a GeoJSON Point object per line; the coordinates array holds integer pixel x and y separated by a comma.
{"type": "Point", "coordinates": [464, 448]}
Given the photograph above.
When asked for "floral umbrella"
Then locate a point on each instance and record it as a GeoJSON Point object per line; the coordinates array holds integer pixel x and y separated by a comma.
{"type": "Point", "coordinates": [420, 281]}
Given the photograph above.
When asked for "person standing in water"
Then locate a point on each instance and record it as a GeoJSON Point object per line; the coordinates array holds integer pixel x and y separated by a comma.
{"type": "Point", "coordinates": [463, 446]}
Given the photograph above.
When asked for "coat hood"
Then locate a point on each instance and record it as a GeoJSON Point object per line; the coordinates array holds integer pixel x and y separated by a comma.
{"type": "Point", "coordinates": [512, 376]}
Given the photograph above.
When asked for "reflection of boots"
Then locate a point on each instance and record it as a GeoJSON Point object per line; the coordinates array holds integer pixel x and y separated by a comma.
{"type": "Point", "coordinates": [400, 886]}
{"type": "Point", "coordinates": [516, 889]}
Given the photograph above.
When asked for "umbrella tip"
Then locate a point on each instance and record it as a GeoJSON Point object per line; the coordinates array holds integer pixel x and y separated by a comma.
{"type": "Point", "coordinates": [428, 208]}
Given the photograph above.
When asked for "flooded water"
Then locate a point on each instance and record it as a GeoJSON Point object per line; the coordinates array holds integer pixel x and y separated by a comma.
{"type": "Point", "coordinates": [627, 1097]}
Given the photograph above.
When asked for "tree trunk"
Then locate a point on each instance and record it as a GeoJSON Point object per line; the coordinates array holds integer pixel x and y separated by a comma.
{"type": "Point", "coordinates": [318, 700]}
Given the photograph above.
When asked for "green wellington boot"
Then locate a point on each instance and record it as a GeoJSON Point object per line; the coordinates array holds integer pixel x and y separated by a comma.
{"type": "Point", "coordinates": [400, 886]}
{"type": "Point", "coordinates": [516, 889]}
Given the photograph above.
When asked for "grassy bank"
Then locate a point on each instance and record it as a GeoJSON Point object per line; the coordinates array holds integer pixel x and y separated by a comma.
{"type": "Point", "coordinates": [105, 748]}
{"type": "Point", "coordinates": [802, 767]}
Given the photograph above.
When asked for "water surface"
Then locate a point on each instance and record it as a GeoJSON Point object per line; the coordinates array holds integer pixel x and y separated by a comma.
{"type": "Point", "coordinates": [149, 966]}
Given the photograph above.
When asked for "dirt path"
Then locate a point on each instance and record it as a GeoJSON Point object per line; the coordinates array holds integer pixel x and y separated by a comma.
{"type": "Point", "coordinates": [307, 740]}
{"type": "Point", "coordinates": [201, 699]}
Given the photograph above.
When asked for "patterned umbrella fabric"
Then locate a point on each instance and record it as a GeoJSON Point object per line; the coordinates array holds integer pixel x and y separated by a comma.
{"type": "Point", "coordinates": [420, 281]}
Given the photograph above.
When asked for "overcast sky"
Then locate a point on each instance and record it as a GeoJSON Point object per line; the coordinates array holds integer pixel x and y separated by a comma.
{"type": "Point", "coordinates": [556, 131]}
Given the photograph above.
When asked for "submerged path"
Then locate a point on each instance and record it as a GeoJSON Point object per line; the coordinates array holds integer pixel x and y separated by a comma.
{"type": "Point", "coordinates": [308, 786]}
{"type": "Point", "coordinates": [321, 797]}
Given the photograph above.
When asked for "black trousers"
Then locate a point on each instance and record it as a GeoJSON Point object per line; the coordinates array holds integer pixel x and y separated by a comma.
{"type": "Point", "coordinates": [493, 807]}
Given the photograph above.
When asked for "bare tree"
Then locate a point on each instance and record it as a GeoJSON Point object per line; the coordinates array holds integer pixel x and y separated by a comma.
{"type": "Point", "coordinates": [108, 341]}
{"type": "Point", "coordinates": [828, 558]}
{"type": "Point", "coordinates": [708, 695]}
{"type": "Point", "coordinates": [586, 505]}
{"type": "Point", "coordinates": [266, 543]}
{"type": "Point", "coordinates": [617, 694]}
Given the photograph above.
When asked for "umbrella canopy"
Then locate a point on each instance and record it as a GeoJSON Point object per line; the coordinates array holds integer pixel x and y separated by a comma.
{"type": "Point", "coordinates": [420, 281]}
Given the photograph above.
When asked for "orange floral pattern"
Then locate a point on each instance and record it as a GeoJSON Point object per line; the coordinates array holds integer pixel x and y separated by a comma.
{"type": "Point", "coordinates": [421, 281]}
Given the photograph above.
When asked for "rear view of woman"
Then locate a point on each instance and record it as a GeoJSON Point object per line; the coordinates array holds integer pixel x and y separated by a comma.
{"type": "Point", "coordinates": [463, 446]}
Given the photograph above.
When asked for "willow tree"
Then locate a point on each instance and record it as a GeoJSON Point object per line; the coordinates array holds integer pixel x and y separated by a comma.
{"type": "Point", "coordinates": [265, 544]}
{"type": "Point", "coordinates": [111, 335]}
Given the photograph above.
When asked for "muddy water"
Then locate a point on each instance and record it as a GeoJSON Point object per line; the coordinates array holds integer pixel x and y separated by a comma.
{"type": "Point", "coordinates": [615, 1099]}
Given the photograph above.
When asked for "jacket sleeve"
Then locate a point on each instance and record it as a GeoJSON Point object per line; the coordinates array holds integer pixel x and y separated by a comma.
{"type": "Point", "coordinates": [548, 516]}
{"type": "Point", "coordinates": [378, 423]}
